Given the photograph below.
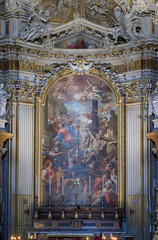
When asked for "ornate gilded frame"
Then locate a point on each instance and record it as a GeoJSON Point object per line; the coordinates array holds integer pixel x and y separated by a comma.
{"type": "Point", "coordinates": [39, 106]}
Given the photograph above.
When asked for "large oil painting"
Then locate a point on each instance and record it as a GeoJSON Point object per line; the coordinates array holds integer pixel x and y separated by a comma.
{"type": "Point", "coordinates": [79, 142]}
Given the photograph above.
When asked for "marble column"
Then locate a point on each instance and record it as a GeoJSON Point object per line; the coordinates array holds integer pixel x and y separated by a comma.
{"type": "Point", "coordinates": [136, 171]}
{"type": "Point", "coordinates": [22, 167]}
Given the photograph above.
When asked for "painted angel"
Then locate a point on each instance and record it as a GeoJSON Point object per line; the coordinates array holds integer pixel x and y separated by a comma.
{"type": "Point", "coordinates": [62, 91]}
{"type": "Point", "coordinates": [103, 110]}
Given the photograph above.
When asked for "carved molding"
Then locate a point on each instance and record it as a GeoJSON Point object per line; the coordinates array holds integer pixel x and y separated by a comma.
{"type": "Point", "coordinates": [154, 137]}
{"type": "Point", "coordinates": [4, 136]}
{"type": "Point", "coordinates": [25, 92]}
{"type": "Point", "coordinates": [27, 55]}
{"type": "Point", "coordinates": [2, 151]}
{"type": "Point", "coordinates": [135, 91]}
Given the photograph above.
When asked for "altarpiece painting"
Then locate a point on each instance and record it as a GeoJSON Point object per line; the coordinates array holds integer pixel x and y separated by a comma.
{"type": "Point", "coordinates": [79, 140]}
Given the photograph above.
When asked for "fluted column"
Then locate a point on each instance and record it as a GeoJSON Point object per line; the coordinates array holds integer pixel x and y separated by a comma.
{"type": "Point", "coordinates": [22, 167]}
{"type": "Point", "coordinates": [137, 171]}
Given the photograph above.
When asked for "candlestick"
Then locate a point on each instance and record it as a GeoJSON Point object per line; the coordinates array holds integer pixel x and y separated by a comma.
{"type": "Point", "coordinates": [36, 207]}
{"type": "Point", "coordinates": [89, 185]}
{"type": "Point", "coordinates": [50, 185]}
{"type": "Point", "coordinates": [102, 184]}
{"type": "Point", "coordinates": [50, 207]}
{"type": "Point", "coordinates": [90, 208]}
{"type": "Point", "coordinates": [76, 207]}
{"type": "Point", "coordinates": [116, 186]}
{"type": "Point", "coordinates": [76, 182]}
{"type": "Point", "coordinates": [63, 185]}
{"type": "Point", "coordinates": [102, 207]}
{"type": "Point", "coordinates": [63, 208]}
{"type": "Point", "coordinates": [116, 208]}
{"type": "Point", "coordinates": [36, 186]}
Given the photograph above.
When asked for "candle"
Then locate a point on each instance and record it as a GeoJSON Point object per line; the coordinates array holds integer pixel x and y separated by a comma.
{"type": "Point", "coordinates": [116, 185]}
{"type": "Point", "coordinates": [89, 185]}
{"type": "Point", "coordinates": [50, 185]}
{"type": "Point", "coordinates": [62, 184]}
{"type": "Point", "coordinates": [36, 186]}
{"type": "Point", "coordinates": [102, 184]}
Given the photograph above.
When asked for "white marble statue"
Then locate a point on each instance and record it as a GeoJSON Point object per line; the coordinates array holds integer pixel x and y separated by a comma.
{"type": "Point", "coordinates": [3, 101]}
{"type": "Point", "coordinates": [153, 102]}
{"type": "Point", "coordinates": [13, 6]}
{"type": "Point", "coordinates": [128, 23]}
{"type": "Point", "coordinates": [60, 4]}
{"type": "Point", "coordinates": [97, 7]}
{"type": "Point", "coordinates": [37, 25]}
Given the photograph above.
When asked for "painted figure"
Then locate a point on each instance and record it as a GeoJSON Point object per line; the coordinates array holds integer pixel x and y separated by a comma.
{"type": "Point", "coordinates": [48, 171]}
{"type": "Point", "coordinates": [80, 43]}
{"type": "Point", "coordinates": [66, 135]}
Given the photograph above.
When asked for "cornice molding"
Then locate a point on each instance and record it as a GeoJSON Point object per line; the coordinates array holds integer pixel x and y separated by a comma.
{"type": "Point", "coordinates": [38, 50]}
